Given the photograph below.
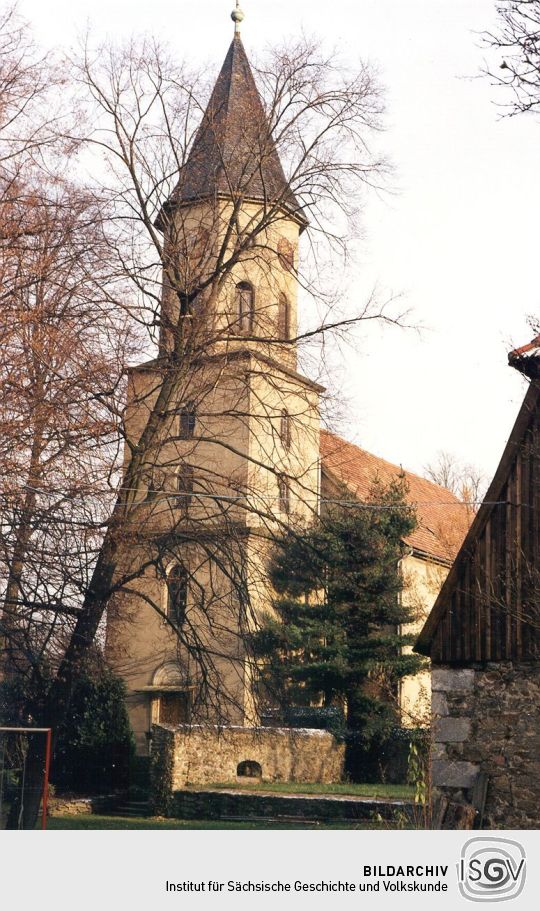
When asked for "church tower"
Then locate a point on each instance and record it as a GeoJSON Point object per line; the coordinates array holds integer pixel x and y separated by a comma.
{"type": "Point", "coordinates": [235, 458]}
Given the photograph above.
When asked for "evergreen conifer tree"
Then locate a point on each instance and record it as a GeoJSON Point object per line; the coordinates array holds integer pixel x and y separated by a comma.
{"type": "Point", "coordinates": [335, 636]}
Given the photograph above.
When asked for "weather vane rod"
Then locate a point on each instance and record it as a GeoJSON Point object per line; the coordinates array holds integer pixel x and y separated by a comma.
{"type": "Point", "coordinates": [237, 16]}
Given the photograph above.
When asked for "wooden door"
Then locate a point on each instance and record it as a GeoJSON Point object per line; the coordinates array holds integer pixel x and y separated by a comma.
{"type": "Point", "coordinates": [173, 708]}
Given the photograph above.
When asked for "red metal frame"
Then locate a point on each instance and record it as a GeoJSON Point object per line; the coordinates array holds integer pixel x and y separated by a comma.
{"type": "Point", "coordinates": [48, 751]}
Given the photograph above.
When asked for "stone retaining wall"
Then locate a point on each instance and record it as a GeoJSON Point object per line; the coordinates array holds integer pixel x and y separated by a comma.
{"type": "Point", "coordinates": [200, 755]}
{"type": "Point", "coordinates": [487, 718]}
{"type": "Point", "coordinates": [62, 806]}
{"type": "Point", "coordinates": [241, 805]}
{"type": "Point", "coordinates": [77, 806]}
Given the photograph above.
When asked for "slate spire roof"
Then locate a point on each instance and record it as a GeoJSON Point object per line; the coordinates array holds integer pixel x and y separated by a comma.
{"type": "Point", "coordinates": [233, 152]}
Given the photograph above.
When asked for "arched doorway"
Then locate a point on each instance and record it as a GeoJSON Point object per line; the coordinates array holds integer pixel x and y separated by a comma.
{"type": "Point", "coordinates": [171, 701]}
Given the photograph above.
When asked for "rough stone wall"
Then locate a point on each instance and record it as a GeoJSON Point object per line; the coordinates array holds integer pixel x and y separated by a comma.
{"type": "Point", "coordinates": [161, 768]}
{"type": "Point", "coordinates": [77, 806]}
{"type": "Point", "coordinates": [200, 755]}
{"type": "Point", "coordinates": [487, 718]}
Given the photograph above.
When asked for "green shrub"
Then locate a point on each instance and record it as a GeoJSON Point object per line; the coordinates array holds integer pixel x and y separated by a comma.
{"type": "Point", "coordinates": [95, 746]}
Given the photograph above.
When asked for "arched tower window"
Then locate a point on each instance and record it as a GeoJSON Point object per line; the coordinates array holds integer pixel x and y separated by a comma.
{"type": "Point", "coordinates": [284, 318]}
{"type": "Point", "coordinates": [245, 306]}
{"type": "Point", "coordinates": [177, 594]}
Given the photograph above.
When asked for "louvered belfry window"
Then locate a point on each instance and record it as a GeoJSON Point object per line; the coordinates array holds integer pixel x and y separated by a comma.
{"type": "Point", "coordinates": [285, 429]}
{"type": "Point", "coordinates": [284, 494]}
{"type": "Point", "coordinates": [185, 481]}
{"type": "Point", "coordinates": [177, 594]}
{"type": "Point", "coordinates": [284, 318]}
{"type": "Point", "coordinates": [187, 421]}
{"type": "Point", "coordinates": [245, 305]}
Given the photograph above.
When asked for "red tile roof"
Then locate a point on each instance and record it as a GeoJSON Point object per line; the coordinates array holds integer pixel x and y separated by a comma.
{"type": "Point", "coordinates": [443, 520]}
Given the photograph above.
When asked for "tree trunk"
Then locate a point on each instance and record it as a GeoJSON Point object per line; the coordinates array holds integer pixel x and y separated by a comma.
{"type": "Point", "coordinates": [12, 656]}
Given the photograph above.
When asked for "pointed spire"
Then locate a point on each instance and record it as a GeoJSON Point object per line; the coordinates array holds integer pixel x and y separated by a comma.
{"type": "Point", "coordinates": [233, 152]}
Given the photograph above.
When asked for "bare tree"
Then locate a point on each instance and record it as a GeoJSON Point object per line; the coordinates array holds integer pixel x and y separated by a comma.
{"type": "Point", "coordinates": [62, 382]}
{"type": "Point", "coordinates": [33, 114]}
{"type": "Point", "coordinates": [47, 252]}
{"type": "Point", "coordinates": [517, 45]}
{"type": "Point", "coordinates": [464, 480]}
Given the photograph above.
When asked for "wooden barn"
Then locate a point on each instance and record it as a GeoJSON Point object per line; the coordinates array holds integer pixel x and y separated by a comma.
{"type": "Point", "coordinates": [483, 636]}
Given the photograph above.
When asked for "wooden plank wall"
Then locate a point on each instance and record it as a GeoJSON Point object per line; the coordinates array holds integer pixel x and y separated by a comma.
{"type": "Point", "coordinates": [494, 612]}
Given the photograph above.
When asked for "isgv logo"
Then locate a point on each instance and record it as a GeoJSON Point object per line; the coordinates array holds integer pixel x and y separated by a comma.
{"type": "Point", "coordinates": [491, 869]}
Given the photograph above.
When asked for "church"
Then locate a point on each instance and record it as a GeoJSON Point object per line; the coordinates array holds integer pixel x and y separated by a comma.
{"type": "Point", "coordinates": [239, 454]}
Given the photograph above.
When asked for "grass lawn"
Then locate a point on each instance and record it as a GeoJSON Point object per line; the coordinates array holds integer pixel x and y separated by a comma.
{"type": "Point", "coordinates": [389, 791]}
{"type": "Point", "coordinates": [117, 822]}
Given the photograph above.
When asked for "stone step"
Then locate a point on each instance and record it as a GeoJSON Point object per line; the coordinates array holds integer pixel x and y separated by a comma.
{"type": "Point", "coordinates": [138, 808]}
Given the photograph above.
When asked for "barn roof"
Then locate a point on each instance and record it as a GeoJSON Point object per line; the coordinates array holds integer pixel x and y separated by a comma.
{"type": "Point", "coordinates": [442, 518]}
{"type": "Point", "coordinates": [469, 620]}
{"type": "Point", "coordinates": [233, 152]}
{"type": "Point", "coordinates": [527, 359]}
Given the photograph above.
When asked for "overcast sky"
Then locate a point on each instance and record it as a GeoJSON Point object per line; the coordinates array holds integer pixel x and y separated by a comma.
{"type": "Point", "coordinates": [458, 236]}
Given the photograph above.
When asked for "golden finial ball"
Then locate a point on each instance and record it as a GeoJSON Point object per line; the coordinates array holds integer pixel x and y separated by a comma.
{"type": "Point", "coordinates": [237, 16]}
